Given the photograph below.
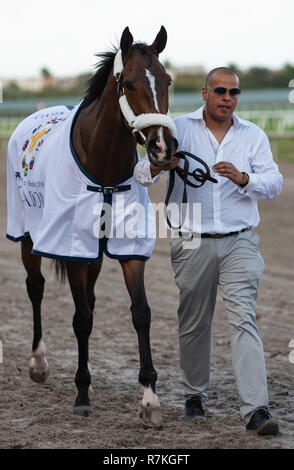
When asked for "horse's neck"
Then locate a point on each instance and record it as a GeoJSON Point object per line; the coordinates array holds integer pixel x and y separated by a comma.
{"type": "Point", "coordinates": [104, 145]}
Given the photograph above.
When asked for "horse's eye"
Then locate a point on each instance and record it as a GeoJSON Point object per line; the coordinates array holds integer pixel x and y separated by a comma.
{"type": "Point", "coordinates": [170, 82]}
{"type": "Point", "coordinates": [129, 86]}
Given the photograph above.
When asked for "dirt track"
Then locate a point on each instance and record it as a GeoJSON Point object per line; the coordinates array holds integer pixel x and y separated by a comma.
{"type": "Point", "coordinates": [34, 416]}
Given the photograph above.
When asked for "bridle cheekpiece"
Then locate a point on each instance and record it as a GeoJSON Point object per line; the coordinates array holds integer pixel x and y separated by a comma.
{"type": "Point", "coordinates": [140, 122]}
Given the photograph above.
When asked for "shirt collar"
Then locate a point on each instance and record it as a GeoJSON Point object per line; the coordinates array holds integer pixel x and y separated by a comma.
{"type": "Point", "coordinates": [198, 115]}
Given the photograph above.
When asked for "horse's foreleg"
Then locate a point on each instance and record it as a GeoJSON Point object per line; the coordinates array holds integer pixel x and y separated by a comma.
{"type": "Point", "coordinates": [38, 366]}
{"type": "Point", "coordinates": [82, 325]}
{"type": "Point", "coordinates": [150, 412]}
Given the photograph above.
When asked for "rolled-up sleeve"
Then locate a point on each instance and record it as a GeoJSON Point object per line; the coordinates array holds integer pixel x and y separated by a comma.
{"type": "Point", "coordinates": [265, 179]}
{"type": "Point", "coordinates": [142, 173]}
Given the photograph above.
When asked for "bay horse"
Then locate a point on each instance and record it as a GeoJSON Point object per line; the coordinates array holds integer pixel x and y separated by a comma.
{"type": "Point", "coordinates": [126, 102]}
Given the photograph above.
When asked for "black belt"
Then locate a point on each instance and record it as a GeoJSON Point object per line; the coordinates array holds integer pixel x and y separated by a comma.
{"type": "Point", "coordinates": [109, 189]}
{"type": "Point", "coordinates": [217, 235]}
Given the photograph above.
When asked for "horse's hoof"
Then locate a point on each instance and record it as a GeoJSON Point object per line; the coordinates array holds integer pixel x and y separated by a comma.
{"type": "Point", "coordinates": [85, 410]}
{"type": "Point", "coordinates": [150, 416]}
{"type": "Point", "coordinates": [39, 374]}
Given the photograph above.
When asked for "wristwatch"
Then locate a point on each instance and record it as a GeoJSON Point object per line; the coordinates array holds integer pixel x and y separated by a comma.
{"type": "Point", "coordinates": [246, 177]}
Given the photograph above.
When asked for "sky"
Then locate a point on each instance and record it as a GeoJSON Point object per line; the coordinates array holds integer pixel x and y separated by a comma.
{"type": "Point", "coordinates": [64, 35]}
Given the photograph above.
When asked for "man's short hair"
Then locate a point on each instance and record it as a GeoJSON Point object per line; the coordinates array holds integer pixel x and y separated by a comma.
{"type": "Point", "coordinates": [219, 69]}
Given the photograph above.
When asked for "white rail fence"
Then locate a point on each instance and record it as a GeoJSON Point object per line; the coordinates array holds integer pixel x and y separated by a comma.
{"type": "Point", "coordinates": [277, 123]}
{"type": "Point", "coordinates": [278, 120]}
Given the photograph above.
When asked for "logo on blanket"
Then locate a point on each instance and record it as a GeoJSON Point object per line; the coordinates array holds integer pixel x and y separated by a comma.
{"type": "Point", "coordinates": [35, 142]}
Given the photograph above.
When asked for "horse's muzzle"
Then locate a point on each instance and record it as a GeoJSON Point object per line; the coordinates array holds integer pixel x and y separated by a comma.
{"type": "Point", "coordinates": [160, 151]}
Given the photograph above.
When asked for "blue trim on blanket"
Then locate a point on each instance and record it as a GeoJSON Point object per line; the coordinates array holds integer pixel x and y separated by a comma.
{"type": "Point", "coordinates": [83, 170]}
{"type": "Point", "coordinates": [102, 249]}
{"type": "Point", "coordinates": [65, 258]}
{"type": "Point", "coordinates": [122, 257]}
{"type": "Point", "coordinates": [18, 239]}
{"type": "Point", "coordinates": [89, 260]}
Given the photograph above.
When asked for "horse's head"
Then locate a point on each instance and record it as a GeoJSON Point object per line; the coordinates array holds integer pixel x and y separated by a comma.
{"type": "Point", "coordinates": [143, 95]}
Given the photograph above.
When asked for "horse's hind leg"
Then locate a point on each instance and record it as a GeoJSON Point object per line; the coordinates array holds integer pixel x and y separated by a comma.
{"type": "Point", "coordinates": [150, 412]}
{"type": "Point", "coordinates": [93, 273]}
{"type": "Point", "coordinates": [77, 273]}
{"type": "Point", "coordinates": [38, 366]}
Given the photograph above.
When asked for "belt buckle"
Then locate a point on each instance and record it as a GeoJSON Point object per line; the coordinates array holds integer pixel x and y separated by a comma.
{"type": "Point", "coordinates": [109, 189]}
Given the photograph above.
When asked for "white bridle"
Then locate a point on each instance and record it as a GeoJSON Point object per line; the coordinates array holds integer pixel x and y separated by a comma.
{"type": "Point", "coordinates": [137, 123]}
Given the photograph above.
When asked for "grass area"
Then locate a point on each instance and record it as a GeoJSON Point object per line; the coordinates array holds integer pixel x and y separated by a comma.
{"type": "Point", "coordinates": [283, 149]}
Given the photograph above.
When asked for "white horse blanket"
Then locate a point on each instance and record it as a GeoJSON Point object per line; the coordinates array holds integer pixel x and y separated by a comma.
{"type": "Point", "coordinates": [67, 213]}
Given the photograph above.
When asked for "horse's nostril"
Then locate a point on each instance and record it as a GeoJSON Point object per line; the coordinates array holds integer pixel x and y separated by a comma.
{"type": "Point", "coordinates": [153, 147]}
{"type": "Point", "coordinates": [163, 154]}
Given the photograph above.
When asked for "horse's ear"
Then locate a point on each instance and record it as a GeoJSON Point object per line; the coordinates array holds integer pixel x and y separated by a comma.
{"type": "Point", "coordinates": [126, 41]}
{"type": "Point", "coordinates": [160, 41]}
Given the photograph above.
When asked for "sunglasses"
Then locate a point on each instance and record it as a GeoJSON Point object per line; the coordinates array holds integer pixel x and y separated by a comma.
{"type": "Point", "coordinates": [220, 90]}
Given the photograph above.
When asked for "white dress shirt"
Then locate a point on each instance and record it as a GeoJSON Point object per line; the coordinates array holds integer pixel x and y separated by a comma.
{"type": "Point", "coordinates": [225, 206]}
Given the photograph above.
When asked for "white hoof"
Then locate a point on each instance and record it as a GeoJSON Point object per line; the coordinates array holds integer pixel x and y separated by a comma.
{"type": "Point", "coordinates": [150, 416]}
{"type": "Point", "coordinates": [38, 366]}
{"type": "Point", "coordinates": [150, 411]}
{"type": "Point", "coordinates": [39, 370]}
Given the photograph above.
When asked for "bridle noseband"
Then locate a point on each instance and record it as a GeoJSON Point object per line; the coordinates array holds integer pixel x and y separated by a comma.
{"type": "Point", "coordinates": [138, 122]}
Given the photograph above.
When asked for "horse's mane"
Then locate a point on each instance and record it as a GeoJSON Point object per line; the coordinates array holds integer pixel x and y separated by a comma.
{"type": "Point", "coordinates": [97, 82]}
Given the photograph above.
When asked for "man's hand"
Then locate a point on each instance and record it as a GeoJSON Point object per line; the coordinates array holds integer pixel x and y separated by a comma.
{"type": "Point", "coordinates": [228, 170]}
{"type": "Point", "coordinates": [155, 170]}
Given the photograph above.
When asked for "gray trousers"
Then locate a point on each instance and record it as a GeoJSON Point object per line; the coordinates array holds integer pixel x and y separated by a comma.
{"type": "Point", "coordinates": [235, 264]}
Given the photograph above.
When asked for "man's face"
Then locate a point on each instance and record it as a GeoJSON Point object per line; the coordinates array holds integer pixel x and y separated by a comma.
{"type": "Point", "coordinates": [220, 107]}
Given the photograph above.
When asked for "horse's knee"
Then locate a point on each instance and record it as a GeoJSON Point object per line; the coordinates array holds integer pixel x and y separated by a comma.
{"type": "Point", "coordinates": [91, 301]}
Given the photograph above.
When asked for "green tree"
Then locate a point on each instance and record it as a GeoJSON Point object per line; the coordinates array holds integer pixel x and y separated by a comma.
{"type": "Point", "coordinates": [45, 73]}
{"type": "Point", "coordinates": [12, 91]}
{"type": "Point", "coordinates": [256, 77]}
{"type": "Point", "coordinates": [235, 68]}
{"type": "Point", "coordinates": [189, 82]}
{"type": "Point", "coordinates": [282, 77]}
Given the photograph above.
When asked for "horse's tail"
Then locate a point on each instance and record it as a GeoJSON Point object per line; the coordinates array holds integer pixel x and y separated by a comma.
{"type": "Point", "coordinates": [60, 270]}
